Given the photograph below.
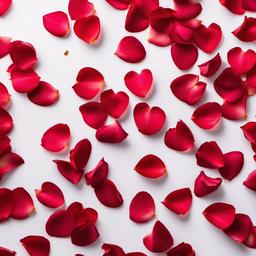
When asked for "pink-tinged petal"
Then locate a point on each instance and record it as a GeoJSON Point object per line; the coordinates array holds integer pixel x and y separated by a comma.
{"type": "Point", "coordinates": [209, 155]}
{"type": "Point", "coordinates": [6, 202]}
{"type": "Point", "coordinates": [250, 82]}
{"type": "Point", "coordinates": [187, 9]}
{"type": "Point", "coordinates": [4, 96]}
{"type": "Point", "coordinates": [151, 166]}
{"type": "Point", "coordinates": [235, 6]}
{"type": "Point", "coordinates": [4, 45]}
{"type": "Point", "coordinates": [179, 201]}
{"type": "Point", "coordinates": [205, 185]}
{"type": "Point", "coordinates": [23, 204]}
{"type": "Point", "coordinates": [187, 88]}
{"type": "Point", "coordinates": [240, 229]}
{"type": "Point", "coordinates": [139, 84]}
{"type": "Point", "coordinates": [115, 104]}
{"type": "Point", "coordinates": [251, 239]}
{"type": "Point", "coordinates": [60, 224]}
{"type": "Point", "coordinates": [131, 50]}
{"type": "Point", "coordinates": [108, 194]}
{"type": "Point", "coordinates": [112, 250]}
{"type": "Point", "coordinates": [6, 252]}
{"type": "Point", "coordinates": [89, 83]}
{"type": "Point", "coordinates": [50, 195]}
{"type": "Point", "coordinates": [6, 122]}
{"type": "Point", "coordinates": [158, 38]}
{"type": "Point", "coordinates": [249, 130]}
{"type": "Point", "coordinates": [79, 8]}
{"type": "Point", "coordinates": [93, 114]}
{"type": "Point", "coordinates": [184, 56]}
{"type": "Point", "coordinates": [183, 249]}
{"type": "Point", "coordinates": [246, 32]}
{"type": "Point", "coordinates": [159, 240]}
{"type": "Point", "coordinates": [148, 120]}
{"type": "Point", "coordinates": [36, 245]}
{"type": "Point", "coordinates": [56, 138]}
{"type": "Point", "coordinates": [208, 39]}
{"type": "Point", "coordinates": [233, 163]}
{"type": "Point", "coordinates": [9, 162]}
{"type": "Point", "coordinates": [207, 116]}
{"type": "Point", "coordinates": [5, 6]}
{"type": "Point", "coordinates": [5, 145]}
{"type": "Point", "coordinates": [249, 5]}
{"type": "Point", "coordinates": [112, 133]}
{"type": "Point", "coordinates": [88, 28]}
{"type": "Point", "coordinates": [44, 94]}
{"type": "Point", "coordinates": [23, 55]}
{"type": "Point", "coordinates": [250, 181]}
{"type": "Point", "coordinates": [221, 215]}
{"type": "Point", "coordinates": [179, 138]}
{"type": "Point", "coordinates": [210, 67]}
{"type": "Point", "coordinates": [142, 207]}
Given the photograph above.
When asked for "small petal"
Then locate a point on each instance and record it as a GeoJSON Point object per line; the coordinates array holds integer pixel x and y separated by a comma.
{"type": "Point", "coordinates": [250, 181]}
{"type": "Point", "coordinates": [188, 9]}
{"type": "Point", "coordinates": [4, 6]}
{"type": "Point", "coordinates": [9, 162]}
{"type": "Point", "coordinates": [183, 249]}
{"type": "Point", "coordinates": [4, 96]}
{"type": "Point", "coordinates": [79, 8]}
{"type": "Point", "coordinates": [235, 6]}
{"type": "Point", "coordinates": [249, 130]}
{"type": "Point", "coordinates": [6, 252]}
{"type": "Point", "coordinates": [4, 45]}
{"type": "Point", "coordinates": [210, 67]}
{"type": "Point", "coordinates": [6, 122]}
{"type": "Point", "coordinates": [112, 250]}
{"type": "Point", "coordinates": [6, 202]}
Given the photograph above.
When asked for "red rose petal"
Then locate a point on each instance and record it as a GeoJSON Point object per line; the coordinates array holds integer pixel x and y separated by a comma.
{"type": "Point", "coordinates": [112, 250]}
{"type": "Point", "coordinates": [79, 8]}
{"type": "Point", "coordinates": [250, 181]}
{"type": "Point", "coordinates": [187, 9]}
{"type": "Point", "coordinates": [209, 155]}
{"type": "Point", "coordinates": [142, 207]}
{"type": "Point", "coordinates": [108, 194]}
{"type": "Point", "coordinates": [36, 245]}
{"type": "Point", "coordinates": [221, 215]}
{"type": "Point", "coordinates": [4, 96]}
{"type": "Point", "coordinates": [6, 202]}
{"type": "Point", "coordinates": [148, 120]}
{"type": "Point", "coordinates": [115, 104]}
{"type": "Point", "coordinates": [4, 45]}
{"type": "Point", "coordinates": [5, 145]}
{"type": "Point", "coordinates": [208, 39]}
{"type": "Point", "coordinates": [135, 254]}
{"type": "Point", "coordinates": [113, 133]}
{"type": "Point", "coordinates": [249, 5]}
{"type": "Point", "coordinates": [251, 240]}
{"type": "Point", "coordinates": [233, 163]}
{"type": "Point", "coordinates": [210, 67]}
{"type": "Point", "coordinates": [131, 50]}
{"type": "Point", "coordinates": [207, 116]}
{"type": "Point", "coordinates": [87, 28]}
{"type": "Point", "coordinates": [89, 83]}
{"type": "Point", "coordinates": [23, 205]}
{"type": "Point", "coordinates": [4, 6]}
{"type": "Point", "coordinates": [120, 4]}
{"type": "Point", "coordinates": [205, 185]}
{"type": "Point", "coordinates": [249, 130]}
{"type": "Point", "coordinates": [6, 252]}
{"type": "Point", "coordinates": [234, 6]}
{"type": "Point", "coordinates": [160, 239]}
{"type": "Point", "coordinates": [183, 249]}
{"type": "Point", "coordinates": [151, 166]}
{"type": "Point", "coordinates": [251, 82]}
{"type": "Point", "coordinates": [56, 138]}
{"type": "Point", "coordinates": [60, 224]}
{"type": "Point", "coordinates": [50, 195]}
{"type": "Point", "coordinates": [6, 122]}
{"type": "Point", "coordinates": [179, 201]}
{"type": "Point", "coordinates": [9, 161]}
{"type": "Point", "coordinates": [179, 138]}
{"type": "Point", "coordinates": [184, 56]}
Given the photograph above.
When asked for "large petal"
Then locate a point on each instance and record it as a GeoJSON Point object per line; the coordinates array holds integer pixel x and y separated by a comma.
{"type": "Point", "coordinates": [6, 122]}
{"type": "Point", "coordinates": [6, 202]}
{"type": "Point", "coordinates": [210, 67]}
{"type": "Point", "coordinates": [79, 8]}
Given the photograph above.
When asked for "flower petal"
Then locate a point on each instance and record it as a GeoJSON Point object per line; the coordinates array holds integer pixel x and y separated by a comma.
{"type": "Point", "coordinates": [6, 252]}
{"type": "Point", "coordinates": [4, 6]}
{"type": "Point", "coordinates": [5, 145]}
{"type": "Point", "coordinates": [112, 250]}
{"type": "Point", "coordinates": [251, 240]}
{"type": "Point", "coordinates": [79, 8]}
{"type": "Point", "coordinates": [249, 5]}
{"type": "Point", "coordinates": [9, 162]}
{"type": "Point", "coordinates": [6, 122]}
{"type": "Point", "coordinates": [250, 181]}
{"type": "Point", "coordinates": [135, 254]}
{"type": "Point", "coordinates": [249, 130]}
{"type": "Point", "coordinates": [235, 6]}
{"type": "Point", "coordinates": [250, 82]}
{"type": "Point", "coordinates": [4, 45]}
{"type": "Point", "coordinates": [183, 249]}
{"type": "Point", "coordinates": [188, 9]}
{"type": "Point", "coordinates": [210, 67]}
{"type": "Point", "coordinates": [6, 202]}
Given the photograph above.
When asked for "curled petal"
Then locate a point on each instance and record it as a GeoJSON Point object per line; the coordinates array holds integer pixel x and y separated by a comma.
{"type": "Point", "coordinates": [56, 138]}
{"type": "Point", "coordinates": [112, 250]}
{"type": "Point", "coordinates": [183, 249]}
{"type": "Point", "coordinates": [142, 207]}
{"type": "Point", "coordinates": [249, 130]}
{"type": "Point", "coordinates": [4, 6]}
{"type": "Point", "coordinates": [9, 161]}
{"type": "Point", "coordinates": [251, 239]}
{"type": "Point", "coordinates": [5, 145]}
{"type": "Point", "coordinates": [4, 45]}
{"type": "Point", "coordinates": [79, 8]}
{"type": "Point", "coordinates": [250, 181]}
{"type": "Point", "coordinates": [210, 67]}
{"type": "Point", "coordinates": [235, 6]}
{"type": "Point", "coordinates": [151, 166]}
{"type": "Point", "coordinates": [148, 120]}
{"type": "Point", "coordinates": [131, 50]}
{"type": "Point", "coordinates": [6, 202]}
{"type": "Point", "coordinates": [249, 5]}
{"type": "Point", "coordinates": [159, 240]}
{"type": "Point", "coordinates": [6, 252]}
{"type": "Point", "coordinates": [6, 122]}
{"type": "Point", "coordinates": [50, 195]}
{"type": "Point", "coordinates": [188, 9]}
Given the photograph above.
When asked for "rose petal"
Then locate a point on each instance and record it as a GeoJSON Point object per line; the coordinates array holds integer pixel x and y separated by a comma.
{"type": "Point", "coordinates": [4, 45]}
{"type": "Point", "coordinates": [9, 162]}
{"type": "Point", "coordinates": [6, 202]}
{"type": "Point", "coordinates": [6, 122]}
{"type": "Point", "coordinates": [79, 8]}
{"type": "Point", "coordinates": [187, 9]}
{"type": "Point", "coordinates": [6, 252]}
{"type": "Point", "coordinates": [4, 6]}
{"type": "Point", "coordinates": [235, 6]}
{"type": "Point", "coordinates": [183, 249]}
{"type": "Point", "coordinates": [250, 82]}
{"type": "Point", "coordinates": [131, 50]}
{"type": "Point", "coordinates": [4, 96]}
{"type": "Point", "coordinates": [135, 254]}
{"type": "Point", "coordinates": [251, 239]}
{"type": "Point", "coordinates": [249, 130]}
{"type": "Point", "coordinates": [112, 250]}
{"type": "Point", "coordinates": [148, 120]}
{"type": "Point", "coordinates": [250, 181]}
{"type": "Point", "coordinates": [210, 67]}
{"type": "Point", "coordinates": [159, 240]}
{"type": "Point", "coordinates": [5, 145]}
{"type": "Point", "coordinates": [249, 5]}
{"type": "Point", "coordinates": [56, 138]}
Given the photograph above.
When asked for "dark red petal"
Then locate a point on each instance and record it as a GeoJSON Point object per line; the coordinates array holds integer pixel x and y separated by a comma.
{"type": "Point", "coordinates": [115, 104]}
{"type": "Point", "coordinates": [183, 249]}
{"type": "Point", "coordinates": [36, 245]}
{"type": "Point", "coordinates": [79, 8]}
{"type": "Point", "coordinates": [50, 195]}
{"type": "Point", "coordinates": [131, 50]}
{"type": "Point", "coordinates": [233, 163]}
{"type": "Point", "coordinates": [210, 67]}
{"type": "Point", "coordinates": [139, 84]}
{"type": "Point", "coordinates": [60, 224]}
{"type": "Point", "coordinates": [6, 122]}
{"type": "Point", "coordinates": [4, 96]}
{"type": "Point", "coordinates": [240, 229]}
{"type": "Point", "coordinates": [113, 133]}
{"type": "Point", "coordinates": [249, 5]}
{"type": "Point", "coordinates": [160, 239]}
{"type": "Point", "coordinates": [112, 250]}
{"type": "Point", "coordinates": [251, 239]}
{"type": "Point", "coordinates": [6, 252]}
{"type": "Point", "coordinates": [209, 155]}
{"type": "Point", "coordinates": [179, 138]}
{"type": "Point", "coordinates": [221, 215]}
{"type": "Point", "coordinates": [93, 114]}
{"type": "Point", "coordinates": [108, 194]}
{"type": "Point", "coordinates": [205, 185]}
{"type": "Point", "coordinates": [23, 205]}
{"type": "Point", "coordinates": [5, 145]}
{"type": "Point", "coordinates": [9, 162]}
{"type": "Point", "coordinates": [56, 138]}
{"type": "Point", "coordinates": [208, 39]}
{"type": "Point", "coordinates": [250, 82]}
{"type": "Point", "coordinates": [179, 201]}
{"type": "Point", "coordinates": [142, 207]}
{"type": "Point", "coordinates": [249, 130]}
{"type": "Point", "coordinates": [89, 83]}
{"type": "Point", "coordinates": [87, 28]}
{"type": "Point", "coordinates": [250, 181]}
{"type": "Point", "coordinates": [187, 88]}
{"type": "Point", "coordinates": [44, 94]}
{"type": "Point", "coordinates": [234, 6]}
{"type": "Point", "coordinates": [187, 9]}
{"type": "Point", "coordinates": [4, 6]}
{"type": "Point", "coordinates": [184, 56]}
{"type": "Point", "coordinates": [6, 202]}
{"type": "Point", "coordinates": [151, 166]}
{"type": "Point", "coordinates": [148, 120]}
{"type": "Point", "coordinates": [207, 116]}
{"type": "Point", "coordinates": [4, 45]}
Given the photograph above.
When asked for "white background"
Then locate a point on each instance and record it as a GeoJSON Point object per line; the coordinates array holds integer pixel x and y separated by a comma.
{"type": "Point", "coordinates": [24, 22]}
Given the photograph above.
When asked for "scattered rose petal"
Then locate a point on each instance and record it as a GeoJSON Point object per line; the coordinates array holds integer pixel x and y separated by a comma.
{"type": "Point", "coordinates": [9, 162]}
{"type": "Point", "coordinates": [6, 252]}
{"type": "Point", "coordinates": [4, 45]}
{"type": "Point", "coordinates": [250, 82]}
{"type": "Point", "coordinates": [112, 250]}
{"type": "Point", "coordinates": [4, 6]}
{"type": "Point", "coordinates": [158, 38]}
{"type": "Point", "coordinates": [249, 130]}
{"type": "Point", "coordinates": [185, 10]}
{"type": "Point", "coordinates": [183, 249]}
{"type": "Point", "coordinates": [234, 6]}
{"type": "Point", "coordinates": [6, 202]}
{"type": "Point", "coordinates": [249, 5]}
{"type": "Point", "coordinates": [79, 8]}
{"type": "Point", "coordinates": [6, 122]}
{"type": "Point", "coordinates": [5, 145]}
{"type": "Point", "coordinates": [210, 67]}
{"type": "Point", "coordinates": [251, 239]}
{"type": "Point", "coordinates": [250, 181]}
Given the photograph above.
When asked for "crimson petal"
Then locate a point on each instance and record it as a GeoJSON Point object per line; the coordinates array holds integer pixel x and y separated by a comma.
{"type": "Point", "coordinates": [4, 6]}
{"type": "Point", "coordinates": [79, 8]}
{"type": "Point", "coordinates": [6, 122]}
{"type": "Point", "coordinates": [6, 252]}
{"type": "Point", "coordinates": [9, 161]}
{"type": "Point", "coordinates": [249, 130]}
{"type": "Point", "coordinates": [251, 82]}
{"type": "Point", "coordinates": [235, 6]}
{"type": "Point", "coordinates": [251, 240]}
{"type": "Point", "coordinates": [183, 249]}
{"type": "Point", "coordinates": [112, 250]}
{"type": "Point", "coordinates": [5, 145]}
{"type": "Point", "coordinates": [4, 45]}
{"type": "Point", "coordinates": [250, 181]}
{"type": "Point", "coordinates": [210, 67]}
{"type": "Point", "coordinates": [6, 202]}
{"type": "Point", "coordinates": [187, 9]}
{"type": "Point", "coordinates": [249, 5]}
